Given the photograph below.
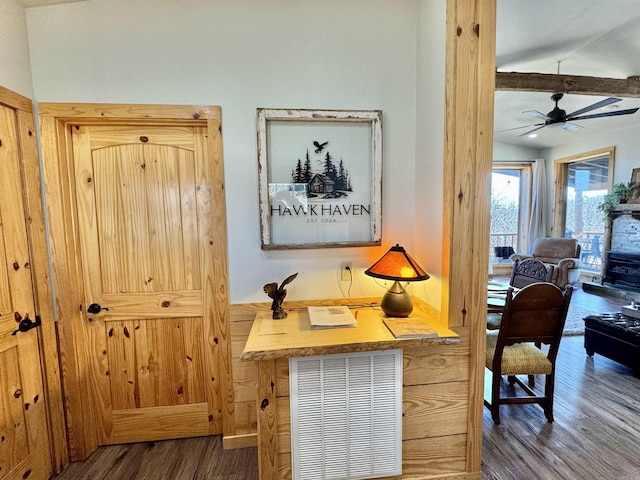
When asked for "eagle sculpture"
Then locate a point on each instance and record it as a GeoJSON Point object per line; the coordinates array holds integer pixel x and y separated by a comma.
{"type": "Point", "coordinates": [278, 294]}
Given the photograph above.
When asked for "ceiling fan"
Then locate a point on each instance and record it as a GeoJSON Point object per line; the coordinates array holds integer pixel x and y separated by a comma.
{"type": "Point", "coordinates": [559, 117]}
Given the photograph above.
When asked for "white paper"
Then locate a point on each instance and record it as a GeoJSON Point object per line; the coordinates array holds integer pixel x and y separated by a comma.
{"type": "Point", "coordinates": [331, 317]}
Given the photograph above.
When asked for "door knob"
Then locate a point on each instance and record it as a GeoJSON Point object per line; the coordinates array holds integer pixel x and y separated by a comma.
{"type": "Point", "coordinates": [96, 308]}
{"type": "Point", "coordinates": [27, 324]}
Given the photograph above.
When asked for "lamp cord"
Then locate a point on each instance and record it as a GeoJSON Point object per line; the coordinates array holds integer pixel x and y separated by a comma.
{"type": "Point", "coordinates": [352, 302]}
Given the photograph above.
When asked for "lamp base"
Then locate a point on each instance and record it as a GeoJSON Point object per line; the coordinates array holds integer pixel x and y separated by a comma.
{"type": "Point", "coordinates": [396, 302]}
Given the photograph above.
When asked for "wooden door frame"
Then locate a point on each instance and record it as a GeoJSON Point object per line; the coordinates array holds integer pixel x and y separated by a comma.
{"type": "Point", "coordinates": [524, 197]}
{"type": "Point", "coordinates": [39, 266]}
{"type": "Point", "coordinates": [560, 174]}
{"type": "Point", "coordinates": [56, 121]}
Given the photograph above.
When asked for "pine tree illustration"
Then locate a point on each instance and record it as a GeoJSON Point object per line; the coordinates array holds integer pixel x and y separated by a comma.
{"type": "Point", "coordinates": [307, 169]}
{"type": "Point", "coordinates": [330, 168]}
{"type": "Point", "coordinates": [299, 175]}
{"type": "Point", "coordinates": [342, 178]}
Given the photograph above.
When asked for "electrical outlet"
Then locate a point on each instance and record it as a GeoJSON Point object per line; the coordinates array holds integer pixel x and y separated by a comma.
{"type": "Point", "coordinates": [346, 271]}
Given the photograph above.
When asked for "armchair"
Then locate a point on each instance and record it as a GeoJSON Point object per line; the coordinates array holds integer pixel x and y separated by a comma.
{"type": "Point", "coordinates": [561, 253]}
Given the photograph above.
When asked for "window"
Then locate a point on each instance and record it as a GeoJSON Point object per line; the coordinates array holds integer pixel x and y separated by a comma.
{"type": "Point", "coordinates": [581, 183]}
{"type": "Point", "coordinates": [510, 207]}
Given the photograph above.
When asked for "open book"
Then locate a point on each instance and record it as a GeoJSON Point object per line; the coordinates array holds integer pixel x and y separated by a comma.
{"type": "Point", "coordinates": [331, 317]}
{"type": "Point", "coordinates": [410, 327]}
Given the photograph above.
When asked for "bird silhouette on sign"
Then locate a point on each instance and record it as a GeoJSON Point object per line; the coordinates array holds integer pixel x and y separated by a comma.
{"type": "Point", "coordinates": [278, 294]}
{"type": "Point", "coordinates": [320, 146]}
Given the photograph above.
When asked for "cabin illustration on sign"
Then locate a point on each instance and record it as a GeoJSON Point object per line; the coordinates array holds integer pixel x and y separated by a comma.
{"type": "Point", "coordinates": [331, 182]}
{"type": "Point", "coordinates": [319, 183]}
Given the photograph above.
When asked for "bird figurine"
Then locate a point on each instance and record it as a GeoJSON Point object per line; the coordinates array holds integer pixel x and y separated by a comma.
{"type": "Point", "coordinates": [320, 146]}
{"type": "Point", "coordinates": [278, 294]}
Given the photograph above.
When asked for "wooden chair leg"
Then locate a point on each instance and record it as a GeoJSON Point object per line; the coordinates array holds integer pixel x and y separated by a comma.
{"type": "Point", "coordinates": [495, 397]}
{"type": "Point", "coordinates": [548, 392]}
{"type": "Point", "coordinates": [532, 380]}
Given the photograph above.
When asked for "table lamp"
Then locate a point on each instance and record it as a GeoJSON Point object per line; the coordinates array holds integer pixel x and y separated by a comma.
{"type": "Point", "coordinates": [397, 265]}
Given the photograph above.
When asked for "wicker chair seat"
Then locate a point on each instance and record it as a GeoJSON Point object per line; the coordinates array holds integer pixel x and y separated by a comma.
{"type": "Point", "coordinates": [518, 359]}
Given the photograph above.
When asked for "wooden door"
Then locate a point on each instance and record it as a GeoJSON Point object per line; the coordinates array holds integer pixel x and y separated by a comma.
{"type": "Point", "coordinates": [144, 217]}
{"type": "Point", "coordinates": [24, 445]}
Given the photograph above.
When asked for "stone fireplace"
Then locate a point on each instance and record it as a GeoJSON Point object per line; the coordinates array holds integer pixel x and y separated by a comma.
{"type": "Point", "coordinates": [625, 230]}
{"type": "Point", "coordinates": [622, 261]}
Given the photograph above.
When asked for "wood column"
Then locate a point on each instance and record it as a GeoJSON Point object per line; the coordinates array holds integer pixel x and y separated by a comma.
{"type": "Point", "coordinates": [267, 433]}
{"type": "Point", "coordinates": [470, 83]}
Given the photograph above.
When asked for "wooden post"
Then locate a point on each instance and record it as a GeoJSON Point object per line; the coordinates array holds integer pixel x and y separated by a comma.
{"type": "Point", "coordinates": [470, 83]}
{"type": "Point", "coordinates": [267, 434]}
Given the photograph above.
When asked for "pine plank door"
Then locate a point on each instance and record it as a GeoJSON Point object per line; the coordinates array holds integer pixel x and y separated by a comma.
{"type": "Point", "coordinates": [24, 445]}
{"type": "Point", "coordinates": [144, 212]}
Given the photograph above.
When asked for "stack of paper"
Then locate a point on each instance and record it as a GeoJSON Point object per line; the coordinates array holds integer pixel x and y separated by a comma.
{"type": "Point", "coordinates": [409, 327]}
{"type": "Point", "coordinates": [331, 317]}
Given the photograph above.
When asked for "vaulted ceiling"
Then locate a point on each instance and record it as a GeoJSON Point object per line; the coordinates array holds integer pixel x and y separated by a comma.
{"type": "Point", "coordinates": [589, 38]}
{"type": "Point", "coordinates": [593, 38]}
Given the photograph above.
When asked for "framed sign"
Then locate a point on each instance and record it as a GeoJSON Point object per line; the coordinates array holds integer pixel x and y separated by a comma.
{"type": "Point", "coordinates": [320, 177]}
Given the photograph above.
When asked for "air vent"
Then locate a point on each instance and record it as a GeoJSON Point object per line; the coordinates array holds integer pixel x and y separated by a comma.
{"type": "Point", "coordinates": [346, 415]}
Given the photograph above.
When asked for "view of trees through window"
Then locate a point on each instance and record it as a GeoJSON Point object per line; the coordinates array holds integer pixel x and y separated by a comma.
{"type": "Point", "coordinates": [505, 211]}
{"type": "Point", "coordinates": [587, 184]}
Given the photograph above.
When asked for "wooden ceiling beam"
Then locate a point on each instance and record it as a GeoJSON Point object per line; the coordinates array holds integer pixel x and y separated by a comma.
{"type": "Point", "coordinates": [580, 85]}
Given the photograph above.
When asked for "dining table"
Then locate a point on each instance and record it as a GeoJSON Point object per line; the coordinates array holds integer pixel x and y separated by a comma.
{"type": "Point", "coordinates": [496, 296]}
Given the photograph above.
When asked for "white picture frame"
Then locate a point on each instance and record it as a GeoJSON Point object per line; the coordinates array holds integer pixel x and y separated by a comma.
{"type": "Point", "coordinates": [320, 178]}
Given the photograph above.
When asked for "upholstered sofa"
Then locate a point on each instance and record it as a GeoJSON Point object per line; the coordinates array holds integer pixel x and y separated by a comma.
{"type": "Point", "coordinates": [561, 253]}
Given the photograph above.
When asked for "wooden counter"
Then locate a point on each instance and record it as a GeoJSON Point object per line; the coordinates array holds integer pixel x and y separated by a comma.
{"type": "Point", "coordinates": [293, 337]}
{"type": "Point", "coordinates": [272, 342]}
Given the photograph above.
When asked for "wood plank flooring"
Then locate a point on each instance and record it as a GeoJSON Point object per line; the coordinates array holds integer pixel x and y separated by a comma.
{"type": "Point", "coordinates": [595, 432]}
{"type": "Point", "coordinates": [594, 436]}
{"type": "Point", "coordinates": [199, 458]}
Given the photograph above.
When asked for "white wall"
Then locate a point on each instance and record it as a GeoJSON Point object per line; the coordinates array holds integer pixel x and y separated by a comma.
{"type": "Point", "coordinates": [429, 148]}
{"type": "Point", "coordinates": [15, 70]}
{"type": "Point", "coordinates": [334, 54]}
{"type": "Point", "coordinates": [505, 152]}
{"type": "Point", "coordinates": [627, 144]}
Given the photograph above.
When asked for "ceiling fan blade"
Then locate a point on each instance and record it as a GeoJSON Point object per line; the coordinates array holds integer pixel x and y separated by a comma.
{"type": "Point", "coordinates": [518, 128]}
{"type": "Point", "coordinates": [572, 127]}
{"type": "Point", "coordinates": [613, 113]}
{"type": "Point", "coordinates": [600, 104]}
{"type": "Point", "coordinates": [536, 114]}
{"type": "Point", "coordinates": [531, 131]}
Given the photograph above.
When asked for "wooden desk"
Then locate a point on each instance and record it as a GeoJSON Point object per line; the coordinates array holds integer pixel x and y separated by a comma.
{"type": "Point", "coordinates": [271, 340]}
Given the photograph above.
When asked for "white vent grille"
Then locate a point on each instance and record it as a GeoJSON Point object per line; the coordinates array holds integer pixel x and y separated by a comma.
{"type": "Point", "coordinates": [346, 415]}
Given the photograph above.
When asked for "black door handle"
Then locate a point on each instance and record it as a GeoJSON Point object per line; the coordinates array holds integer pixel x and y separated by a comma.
{"type": "Point", "coordinates": [96, 308]}
{"type": "Point", "coordinates": [27, 324]}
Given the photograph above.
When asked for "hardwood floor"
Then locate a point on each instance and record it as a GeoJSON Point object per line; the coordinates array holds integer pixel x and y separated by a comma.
{"type": "Point", "coordinates": [594, 436]}
{"type": "Point", "coordinates": [595, 432]}
{"type": "Point", "coordinates": [189, 459]}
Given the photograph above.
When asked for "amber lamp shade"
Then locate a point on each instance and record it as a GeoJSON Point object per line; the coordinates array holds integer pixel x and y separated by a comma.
{"type": "Point", "coordinates": [397, 265]}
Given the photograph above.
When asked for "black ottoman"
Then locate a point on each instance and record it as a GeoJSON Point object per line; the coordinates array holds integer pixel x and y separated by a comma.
{"type": "Point", "coordinates": [614, 336]}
